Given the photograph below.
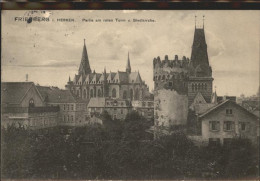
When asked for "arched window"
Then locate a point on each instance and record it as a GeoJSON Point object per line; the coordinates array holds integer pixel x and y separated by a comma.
{"type": "Point", "coordinates": [78, 93]}
{"type": "Point", "coordinates": [31, 103]}
{"type": "Point", "coordinates": [131, 94]}
{"type": "Point", "coordinates": [199, 87]}
{"type": "Point", "coordinates": [84, 93]}
{"type": "Point", "coordinates": [159, 78]}
{"type": "Point", "coordinates": [114, 92]}
{"type": "Point", "coordinates": [99, 93]}
{"type": "Point", "coordinates": [137, 94]}
{"type": "Point", "coordinates": [192, 86]}
{"type": "Point", "coordinates": [196, 87]}
{"type": "Point", "coordinates": [163, 77]}
{"type": "Point", "coordinates": [91, 93]}
{"type": "Point", "coordinates": [124, 95]}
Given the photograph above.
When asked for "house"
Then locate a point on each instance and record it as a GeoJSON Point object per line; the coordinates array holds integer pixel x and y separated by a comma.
{"type": "Point", "coordinates": [23, 105]}
{"type": "Point", "coordinates": [228, 120]}
{"type": "Point", "coordinates": [144, 108]}
{"type": "Point", "coordinates": [116, 108]}
{"type": "Point", "coordinates": [73, 111]}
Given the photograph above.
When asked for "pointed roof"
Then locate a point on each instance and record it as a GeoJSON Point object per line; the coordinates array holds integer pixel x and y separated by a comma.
{"type": "Point", "coordinates": [14, 92]}
{"type": "Point", "coordinates": [95, 78]}
{"type": "Point", "coordinates": [134, 77]}
{"type": "Point", "coordinates": [88, 78]}
{"type": "Point", "coordinates": [111, 76]}
{"type": "Point", "coordinates": [56, 95]}
{"type": "Point", "coordinates": [128, 66]}
{"type": "Point", "coordinates": [199, 54]}
{"type": "Point", "coordinates": [230, 102]}
{"type": "Point", "coordinates": [84, 67]}
{"type": "Point", "coordinates": [122, 77]}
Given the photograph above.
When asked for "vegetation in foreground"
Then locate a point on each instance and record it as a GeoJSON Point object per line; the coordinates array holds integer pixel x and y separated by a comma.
{"type": "Point", "coordinates": [120, 150]}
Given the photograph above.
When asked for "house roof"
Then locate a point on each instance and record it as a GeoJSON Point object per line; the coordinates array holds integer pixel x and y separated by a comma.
{"type": "Point", "coordinates": [13, 92]}
{"type": "Point", "coordinates": [56, 95]}
{"type": "Point", "coordinates": [211, 110]}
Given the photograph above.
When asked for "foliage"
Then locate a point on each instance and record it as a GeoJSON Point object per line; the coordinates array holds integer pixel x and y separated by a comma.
{"type": "Point", "coordinates": [120, 152]}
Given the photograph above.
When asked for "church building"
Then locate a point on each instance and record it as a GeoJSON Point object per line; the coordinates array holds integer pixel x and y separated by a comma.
{"type": "Point", "coordinates": [117, 85]}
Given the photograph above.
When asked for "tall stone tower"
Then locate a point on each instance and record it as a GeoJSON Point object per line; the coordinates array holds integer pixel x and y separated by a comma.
{"type": "Point", "coordinates": [170, 91]}
{"type": "Point", "coordinates": [200, 72]}
{"type": "Point", "coordinates": [84, 67]}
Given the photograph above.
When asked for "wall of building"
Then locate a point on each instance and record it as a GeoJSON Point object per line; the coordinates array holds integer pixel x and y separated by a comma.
{"type": "Point", "coordinates": [206, 93]}
{"type": "Point", "coordinates": [32, 94]}
{"type": "Point", "coordinates": [237, 117]}
{"type": "Point", "coordinates": [170, 108]}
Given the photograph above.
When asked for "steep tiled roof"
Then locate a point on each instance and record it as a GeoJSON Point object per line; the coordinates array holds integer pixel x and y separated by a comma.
{"type": "Point", "coordinates": [55, 95]}
{"type": "Point", "coordinates": [13, 92]}
{"type": "Point", "coordinates": [134, 77]}
{"type": "Point", "coordinates": [211, 110]}
{"type": "Point", "coordinates": [122, 77]}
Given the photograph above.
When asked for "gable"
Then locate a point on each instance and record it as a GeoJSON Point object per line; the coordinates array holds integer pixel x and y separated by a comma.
{"type": "Point", "coordinates": [219, 111]}
{"type": "Point", "coordinates": [33, 94]}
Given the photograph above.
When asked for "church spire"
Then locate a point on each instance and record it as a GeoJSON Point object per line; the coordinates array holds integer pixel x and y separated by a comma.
{"type": "Point", "coordinates": [84, 67]}
{"type": "Point", "coordinates": [128, 66]}
{"type": "Point", "coordinates": [199, 54]}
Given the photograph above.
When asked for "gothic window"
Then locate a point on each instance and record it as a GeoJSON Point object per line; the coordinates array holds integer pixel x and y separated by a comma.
{"type": "Point", "coordinates": [88, 93]}
{"type": "Point", "coordinates": [131, 94]}
{"type": "Point", "coordinates": [95, 92]}
{"type": "Point", "coordinates": [159, 78]}
{"type": "Point", "coordinates": [91, 93]}
{"type": "Point", "coordinates": [99, 93]}
{"type": "Point", "coordinates": [192, 87]}
{"type": "Point", "coordinates": [137, 94]}
{"type": "Point", "coordinates": [77, 92]}
{"type": "Point", "coordinates": [199, 87]}
{"type": "Point", "coordinates": [163, 77]}
{"type": "Point", "coordinates": [124, 95]}
{"type": "Point", "coordinates": [84, 93]}
{"type": "Point", "coordinates": [31, 103]}
{"type": "Point", "coordinates": [196, 87]}
{"type": "Point", "coordinates": [114, 92]}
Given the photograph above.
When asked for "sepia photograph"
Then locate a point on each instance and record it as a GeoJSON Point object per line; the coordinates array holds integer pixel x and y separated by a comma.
{"type": "Point", "coordinates": [130, 94]}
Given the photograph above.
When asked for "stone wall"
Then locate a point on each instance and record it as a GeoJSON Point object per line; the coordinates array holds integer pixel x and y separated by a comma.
{"type": "Point", "coordinates": [170, 108]}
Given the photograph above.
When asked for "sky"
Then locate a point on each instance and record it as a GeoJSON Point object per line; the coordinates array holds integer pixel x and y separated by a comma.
{"type": "Point", "coordinates": [50, 51]}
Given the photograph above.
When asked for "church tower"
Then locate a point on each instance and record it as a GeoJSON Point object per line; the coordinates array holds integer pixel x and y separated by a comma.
{"type": "Point", "coordinates": [128, 66]}
{"type": "Point", "coordinates": [84, 67]}
{"type": "Point", "coordinates": [200, 72]}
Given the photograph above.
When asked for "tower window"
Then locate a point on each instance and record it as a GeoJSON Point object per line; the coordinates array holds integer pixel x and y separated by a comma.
{"type": "Point", "coordinates": [170, 84]}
